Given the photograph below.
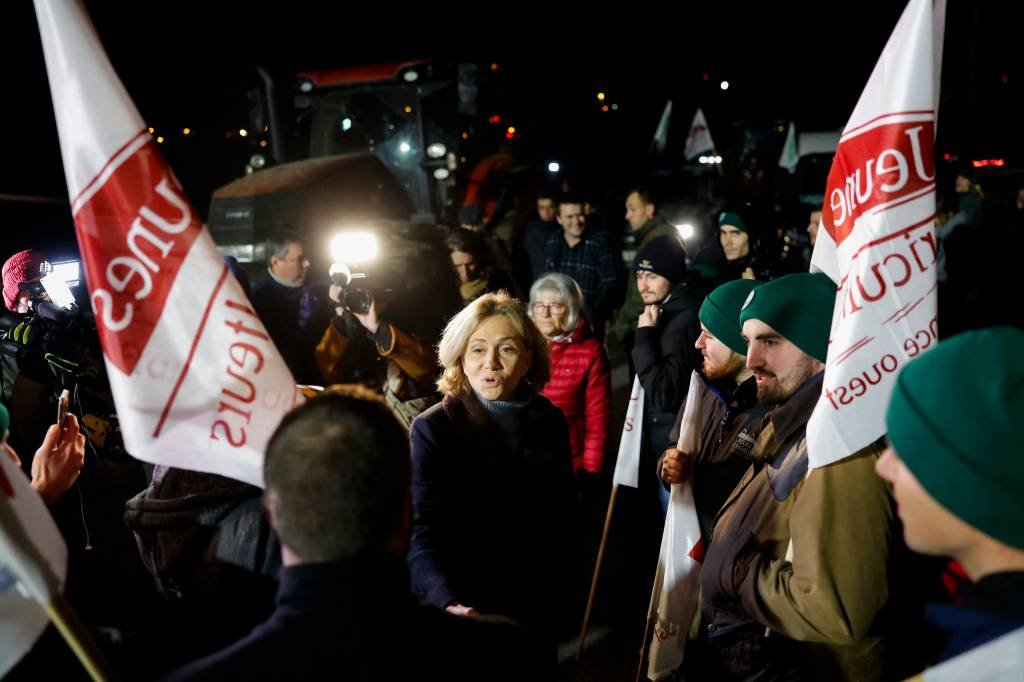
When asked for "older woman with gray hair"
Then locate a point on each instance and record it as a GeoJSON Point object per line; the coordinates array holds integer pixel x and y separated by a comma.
{"type": "Point", "coordinates": [492, 493]}
{"type": "Point", "coordinates": [580, 383]}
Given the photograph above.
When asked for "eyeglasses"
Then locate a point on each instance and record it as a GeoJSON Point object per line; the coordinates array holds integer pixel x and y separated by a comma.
{"type": "Point", "coordinates": [556, 308]}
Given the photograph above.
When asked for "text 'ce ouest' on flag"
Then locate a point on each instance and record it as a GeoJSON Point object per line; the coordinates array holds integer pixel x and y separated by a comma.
{"type": "Point", "coordinates": [877, 241]}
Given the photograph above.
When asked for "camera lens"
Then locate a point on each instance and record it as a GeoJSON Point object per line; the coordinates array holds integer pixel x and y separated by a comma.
{"type": "Point", "coordinates": [356, 301]}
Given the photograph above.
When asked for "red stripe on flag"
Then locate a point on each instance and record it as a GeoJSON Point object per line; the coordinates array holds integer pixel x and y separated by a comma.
{"type": "Point", "coordinates": [191, 352]}
{"type": "Point", "coordinates": [697, 553]}
{"type": "Point", "coordinates": [113, 158]}
{"type": "Point", "coordinates": [134, 230]}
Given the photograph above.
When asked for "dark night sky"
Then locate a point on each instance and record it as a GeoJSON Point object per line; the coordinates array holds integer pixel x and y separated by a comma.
{"type": "Point", "coordinates": [187, 66]}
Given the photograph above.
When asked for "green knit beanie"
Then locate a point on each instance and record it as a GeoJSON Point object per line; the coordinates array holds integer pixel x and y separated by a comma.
{"type": "Point", "coordinates": [5, 421]}
{"type": "Point", "coordinates": [732, 218]}
{"type": "Point", "coordinates": [797, 306]}
{"type": "Point", "coordinates": [955, 420]}
{"type": "Point", "coordinates": [720, 312]}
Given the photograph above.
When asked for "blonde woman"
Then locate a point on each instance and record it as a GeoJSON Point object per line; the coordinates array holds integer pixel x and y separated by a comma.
{"type": "Point", "coordinates": [492, 487]}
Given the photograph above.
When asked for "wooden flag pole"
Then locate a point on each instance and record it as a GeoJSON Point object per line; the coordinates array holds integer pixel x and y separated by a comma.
{"type": "Point", "coordinates": [597, 572]}
{"type": "Point", "coordinates": [643, 647]}
{"type": "Point", "coordinates": [78, 638]}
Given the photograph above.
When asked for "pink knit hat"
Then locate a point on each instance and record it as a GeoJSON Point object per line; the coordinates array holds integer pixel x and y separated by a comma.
{"type": "Point", "coordinates": [19, 268]}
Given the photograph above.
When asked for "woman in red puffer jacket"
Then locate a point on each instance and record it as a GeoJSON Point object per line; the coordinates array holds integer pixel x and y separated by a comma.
{"type": "Point", "coordinates": [580, 382]}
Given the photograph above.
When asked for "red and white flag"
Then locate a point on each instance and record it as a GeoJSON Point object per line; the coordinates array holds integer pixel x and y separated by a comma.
{"type": "Point", "coordinates": [33, 564]}
{"type": "Point", "coordinates": [627, 463]}
{"type": "Point", "coordinates": [877, 241]}
{"type": "Point", "coordinates": [677, 580]}
{"type": "Point", "coordinates": [197, 381]}
{"type": "Point", "coordinates": [698, 140]}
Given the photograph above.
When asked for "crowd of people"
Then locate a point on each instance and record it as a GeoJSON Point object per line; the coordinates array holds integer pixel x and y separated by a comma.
{"type": "Point", "coordinates": [439, 519]}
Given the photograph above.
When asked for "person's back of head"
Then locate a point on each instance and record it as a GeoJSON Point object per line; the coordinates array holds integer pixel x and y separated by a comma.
{"type": "Point", "coordinates": [337, 478]}
{"type": "Point", "coordinates": [954, 456]}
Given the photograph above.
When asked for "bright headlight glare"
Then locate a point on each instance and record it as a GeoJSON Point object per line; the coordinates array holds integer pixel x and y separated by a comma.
{"type": "Point", "coordinates": [685, 230]}
{"type": "Point", "coordinates": [354, 247]}
{"type": "Point", "coordinates": [441, 173]}
{"type": "Point", "coordinates": [436, 150]}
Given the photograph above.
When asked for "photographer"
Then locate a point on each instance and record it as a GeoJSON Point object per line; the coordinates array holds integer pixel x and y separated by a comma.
{"type": "Point", "coordinates": [344, 353]}
{"type": "Point", "coordinates": [49, 346]}
{"type": "Point", "coordinates": [26, 377]}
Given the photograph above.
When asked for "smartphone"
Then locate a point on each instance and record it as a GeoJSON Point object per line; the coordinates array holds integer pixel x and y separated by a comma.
{"type": "Point", "coordinates": [62, 408]}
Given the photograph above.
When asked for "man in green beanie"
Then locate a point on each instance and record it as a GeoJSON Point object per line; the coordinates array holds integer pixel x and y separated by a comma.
{"type": "Point", "coordinates": [735, 238]}
{"type": "Point", "coordinates": [730, 413]}
{"type": "Point", "coordinates": [796, 574]}
{"type": "Point", "coordinates": [955, 465]}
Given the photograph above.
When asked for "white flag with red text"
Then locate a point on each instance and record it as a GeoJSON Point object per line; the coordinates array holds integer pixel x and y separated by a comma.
{"type": "Point", "coordinates": [627, 464]}
{"type": "Point", "coordinates": [677, 579]}
{"type": "Point", "coordinates": [197, 382]}
{"type": "Point", "coordinates": [877, 241]}
{"type": "Point", "coordinates": [698, 140]}
{"type": "Point", "coordinates": [33, 564]}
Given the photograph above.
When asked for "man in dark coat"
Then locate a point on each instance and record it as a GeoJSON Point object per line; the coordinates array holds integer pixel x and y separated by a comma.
{"type": "Point", "coordinates": [284, 306]}
{"type": "Point", "coordinates": [646, 224]}
{"type": "Point", "coordinates": [337, 477]}
{"type": "Point", "coordinates": [532, 252]}
{"type": "Point", "coordinates": [665, 354]}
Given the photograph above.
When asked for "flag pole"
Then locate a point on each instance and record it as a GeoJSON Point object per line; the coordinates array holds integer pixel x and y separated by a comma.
{"type": "Point", "coordinates": [643, 643]}
{"type": "Point", "coordinates": [63, 616]}
{"type": "Point", "coordinates": [651, 617]}
{"type": "Point", "coordinates": [597, 572]}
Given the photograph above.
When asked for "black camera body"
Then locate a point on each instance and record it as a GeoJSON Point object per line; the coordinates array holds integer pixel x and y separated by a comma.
{"type": "Point", "coordinates": [357, 288]}
{"type": "Point", "coordinates": [356, 300]}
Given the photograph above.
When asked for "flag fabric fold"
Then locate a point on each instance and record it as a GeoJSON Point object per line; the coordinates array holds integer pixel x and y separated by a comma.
{"type": "Point", "coordinates": [877, 242]}
{"type": "Point", "coordinates": [33, 564]}
{"type": "Point", "coordinates": [661, 132]}
{"type": "Point", "coordinates": [677, 580]}
{"type": "Point", "coordinates": [197, 382]}
{"type": "Point", "coordinates": [698, 140]}
{"type": "Point", "coordinates": [627, 464]}
{"type": "Point", "coordinates": [790, 156]}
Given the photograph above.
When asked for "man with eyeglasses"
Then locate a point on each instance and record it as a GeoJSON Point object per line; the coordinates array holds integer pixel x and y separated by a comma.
{"type": "Point", "coordinates": [278, 299]}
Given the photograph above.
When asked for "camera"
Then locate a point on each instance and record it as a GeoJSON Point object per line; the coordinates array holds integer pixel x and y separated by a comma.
{"type": "Point", "coordinates": [348, 249]}
{"type": "Point", "coordinates": [355, 299]}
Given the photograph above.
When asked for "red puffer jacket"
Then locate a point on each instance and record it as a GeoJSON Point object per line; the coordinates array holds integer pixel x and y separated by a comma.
{"type": "Point", "coordinates": [581, 387]}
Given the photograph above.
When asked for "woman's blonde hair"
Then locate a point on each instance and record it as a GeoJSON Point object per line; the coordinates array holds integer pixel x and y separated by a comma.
{"type": "Point", "coordinates": [457, 332]}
